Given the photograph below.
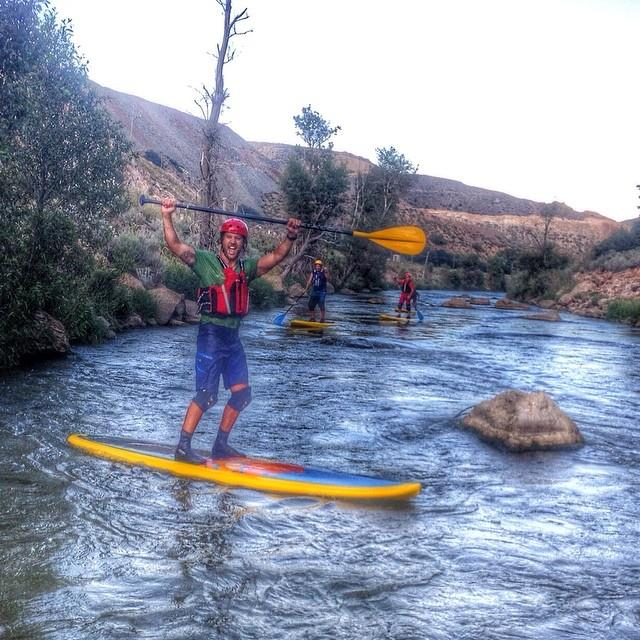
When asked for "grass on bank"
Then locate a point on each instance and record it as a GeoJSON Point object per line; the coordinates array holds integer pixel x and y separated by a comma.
{"type": "Point", "coordinates": [624, 310]}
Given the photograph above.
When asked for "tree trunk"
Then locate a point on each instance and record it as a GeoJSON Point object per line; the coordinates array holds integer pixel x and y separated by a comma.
{"type": "Point", "coordinates": [211, 160]}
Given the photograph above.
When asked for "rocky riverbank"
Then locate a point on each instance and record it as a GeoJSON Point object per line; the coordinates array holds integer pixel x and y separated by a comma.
{"type": "Point", "coordinates": [592, 292]}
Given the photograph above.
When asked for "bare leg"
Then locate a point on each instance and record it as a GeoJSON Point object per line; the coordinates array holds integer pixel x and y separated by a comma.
{"type": "Point", "coordinates": [189, 424]}
{"type": "Point", "coordinates": [229, 416]}
{"type": "Point", "coordinates": [192, 418]}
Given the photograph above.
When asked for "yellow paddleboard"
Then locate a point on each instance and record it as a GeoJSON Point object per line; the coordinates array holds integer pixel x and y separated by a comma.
{"type": "Point", "coordinates": [412, 312]}
{"type": "Point", "coordinates": [299, 323]}
{"type": "Point", "coordinates": [249, 473]}
{"type": "Point", "coordinates": [385, 317]}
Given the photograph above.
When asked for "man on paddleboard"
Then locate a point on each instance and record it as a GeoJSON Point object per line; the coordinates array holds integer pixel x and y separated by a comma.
{"type": "Point", "coordinates": [408, 293]}
{"type": "Point", "coordinates": [223, 299]}
{"type": "Point", "coordinates": [318, 282]}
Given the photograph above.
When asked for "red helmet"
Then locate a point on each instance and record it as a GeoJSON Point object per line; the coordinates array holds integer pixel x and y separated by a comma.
{"type": "Point", "coordinates": [407, 275]}
{"type": "Point", "coordinates": [235, 225]}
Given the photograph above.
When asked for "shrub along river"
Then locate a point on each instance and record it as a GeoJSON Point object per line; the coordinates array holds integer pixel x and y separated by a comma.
{"type": "Point", "coordinates": [497, 545]}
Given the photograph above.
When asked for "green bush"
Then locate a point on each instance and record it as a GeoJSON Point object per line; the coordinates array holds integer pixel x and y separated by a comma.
{"type": "Point", "coordinates": [80, 320]}
{"type": "Point", "coordinates": [621, 240]}
{"type": "Point", "coordinates": [130, 251]}
{"type": "Point", "coordinates": [143, 303]}
{"type": "Point", "coordinates": [524, 285]}
{"type": "Point", "coordinates": [263, 295]}
{"type": "Point", "coordinates": [111, 300]}
{"type": "Point", "coordinates": [624, 309]}
{"type": "Point", "coordinates": [178, 277]}
{"type": "Point", "coordinates": [454, 278]}
{"type": "Point", "coordinates": [617, 261]}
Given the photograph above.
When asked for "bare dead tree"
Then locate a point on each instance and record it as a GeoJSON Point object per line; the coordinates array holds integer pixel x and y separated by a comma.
{"type": "Point", "coordinates": [549, 212]}
{"type": "Point", "coordinates": [211, 104]}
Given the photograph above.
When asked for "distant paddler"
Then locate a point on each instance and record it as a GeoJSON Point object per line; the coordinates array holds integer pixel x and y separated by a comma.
{"type": "Point", "coordinates": [223, 299]}
{"type": "Point", "coordinates": [317, 283]}
{"type": "Point", "coordinates": [408, 293]}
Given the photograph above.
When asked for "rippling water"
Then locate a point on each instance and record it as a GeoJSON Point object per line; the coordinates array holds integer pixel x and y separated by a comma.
{"type": "Point", "coordinates": [497, 545]}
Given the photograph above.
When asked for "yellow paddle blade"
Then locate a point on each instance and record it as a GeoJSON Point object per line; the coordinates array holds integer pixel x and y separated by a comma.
{"type": "Point", "coordinates": [409, 241]}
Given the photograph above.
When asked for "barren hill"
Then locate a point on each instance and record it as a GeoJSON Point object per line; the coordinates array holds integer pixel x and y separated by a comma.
{"type": "Point", "coordinates": [459, 218]}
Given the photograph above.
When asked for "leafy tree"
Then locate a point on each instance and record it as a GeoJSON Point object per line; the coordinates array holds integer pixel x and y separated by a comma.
{"type": "Point", "coordinates": [537, 275]}
{"type": "Point", "coordinates": [61, 177]}
{"type": "Point", "coordinates": [377, 195]}
{"type": "Point", "coordinates": [395, 173]}
{"type": "Point", "coordinates": [314, 129]}
{"type": "Point", "coordinates": [313, 185]}
{"type": "Point", "coordinates": [499, 267]}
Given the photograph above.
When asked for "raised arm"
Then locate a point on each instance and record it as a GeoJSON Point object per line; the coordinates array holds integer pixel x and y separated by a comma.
{"type": "Point", "coordinates": [185, 252]}
{"type": "Point", "coordinates": [270, 260]}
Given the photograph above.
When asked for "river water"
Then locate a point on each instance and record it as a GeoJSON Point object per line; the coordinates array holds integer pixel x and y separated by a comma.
{"type": "Point", "coordinates": [497, 545]}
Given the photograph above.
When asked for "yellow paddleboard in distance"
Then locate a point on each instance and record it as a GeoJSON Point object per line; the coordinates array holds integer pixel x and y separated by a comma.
{"type": "Point", "coordinates": [385, 317]}
{"type": "Point", "coordinates": [299, 323]}
{"type": "Point", "coordinates": [249, 473]}
{"type": "Point", "coordinates": [412, 312]}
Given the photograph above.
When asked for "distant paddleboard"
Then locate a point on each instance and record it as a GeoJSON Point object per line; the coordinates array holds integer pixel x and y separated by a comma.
{"type": "Point", "coordinates": [248, 473]}
{"type": "Point", "coordinates": [385, 317]}
{"type": "Point", "coordinates": [412, 312]}
{"type": "Point", "coordinates": [299, 323]}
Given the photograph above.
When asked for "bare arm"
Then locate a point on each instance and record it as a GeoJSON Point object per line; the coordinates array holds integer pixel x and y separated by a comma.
{"type": "Point", "coordinates": [185, 252]}
{"type": "Point", "coordinates": [270, 260]}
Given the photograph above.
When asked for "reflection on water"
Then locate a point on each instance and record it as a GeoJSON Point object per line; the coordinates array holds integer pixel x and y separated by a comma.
{"type": "Point", "coordinates": [497, 545]}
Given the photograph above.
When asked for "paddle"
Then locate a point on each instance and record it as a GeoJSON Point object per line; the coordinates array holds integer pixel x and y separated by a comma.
{"type": "Point", "coordinates": [279, 319]}
{"type": "Point", "coordinates": [408, 240]}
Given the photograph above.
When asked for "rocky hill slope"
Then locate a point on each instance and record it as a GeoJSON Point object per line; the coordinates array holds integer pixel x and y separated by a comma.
{"type": "Point", "coordinates": [458, 217]}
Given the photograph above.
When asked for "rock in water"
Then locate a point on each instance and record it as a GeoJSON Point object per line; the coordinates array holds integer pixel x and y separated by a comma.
{"type": "Point", "coordinates": [505, 303]}
{"type": "Point", "coordinates": [523, 421]}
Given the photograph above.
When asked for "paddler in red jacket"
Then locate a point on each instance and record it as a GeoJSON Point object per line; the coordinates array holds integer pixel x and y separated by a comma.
{"type": "Point", "coordinates": [223, 299]}
{"type": "Point", "coordinates": [408, 293]}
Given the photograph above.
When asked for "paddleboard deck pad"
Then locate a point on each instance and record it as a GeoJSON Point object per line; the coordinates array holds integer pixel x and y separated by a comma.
{"type": "Point", "coordinates": [248, 473]}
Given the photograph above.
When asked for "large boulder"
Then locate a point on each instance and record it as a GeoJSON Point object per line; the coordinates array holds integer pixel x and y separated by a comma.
{"type": "Point", "coordinates": [134, 321]}
{"type": "Point", "coordinates": [49, 336]}
{"type": "Point", "coordinates": [480, 300]}
{"type": "Point", "coordinates": [295, 291]}
{"type": "Point", "coordinates": [505, 303]}
{"type": "Point", "coordinates": [457, 302]}
{"type": "Point", "coordinates": [169, 304]}
{"type": "Point", "coordinates": [130, 281]}
{"type": "Point", "coordinates": [191, 312]}
{"type": "Point", "coordinates": [523, 421]}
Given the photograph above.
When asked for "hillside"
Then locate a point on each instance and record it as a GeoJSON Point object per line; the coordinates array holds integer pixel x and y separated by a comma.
{"type": "Point", "coordinates": [458, 217]}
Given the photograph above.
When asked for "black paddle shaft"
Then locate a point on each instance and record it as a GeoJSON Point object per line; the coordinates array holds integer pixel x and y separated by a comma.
{"type": "Point", "coordinates": [240, 214]}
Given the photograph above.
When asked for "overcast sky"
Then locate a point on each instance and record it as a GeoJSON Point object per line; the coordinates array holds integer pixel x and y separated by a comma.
{"type": "Point", "coordinates": [539, 99]}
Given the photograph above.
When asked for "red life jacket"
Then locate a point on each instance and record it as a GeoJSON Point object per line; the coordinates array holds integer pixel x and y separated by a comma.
{"type": "Point", "coordinates": [407, 286]}
{"type": "Point", "coordinates": [229, 299]}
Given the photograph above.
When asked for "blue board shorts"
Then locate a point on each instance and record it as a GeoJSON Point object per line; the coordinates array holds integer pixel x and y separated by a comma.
{"type": "Point", "coordinates": [219, 353]}
{"type": "Point", "coordinates": [317, 299]}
